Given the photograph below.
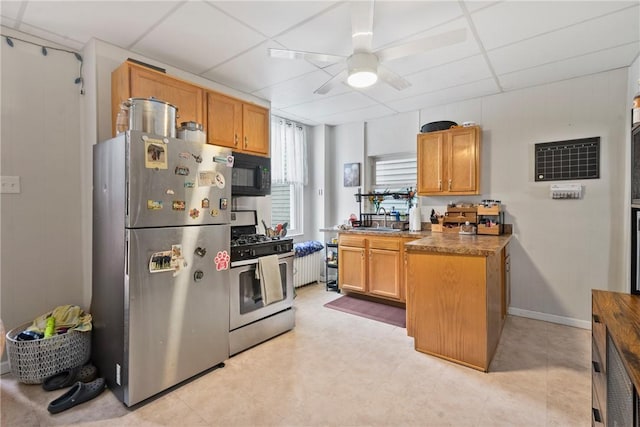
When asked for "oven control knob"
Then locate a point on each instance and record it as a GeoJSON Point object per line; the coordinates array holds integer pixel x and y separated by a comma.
{"type": "Point", "coordinates": [198, 275]}
{"type": "Point", "coordinates": [252, 252]}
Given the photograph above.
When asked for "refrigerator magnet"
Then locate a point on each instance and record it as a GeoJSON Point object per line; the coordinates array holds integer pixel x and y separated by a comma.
{"type": "Point", "coordinates": [214, 212]}
{"type": "Point", "coordinates": [154, 205]}
{"type": "Point", "coordinates": [156, 155]}
{"type": "Point", "coordinates": [224, 203]}
{"type": "Point", "coordinates": [206, 178]}
{"type": "Point", "coordinates": [197, 158]}
{"type": "Point", "coordinates": [178, 205]}
{"type": "Point", "coordinates": [221, 260]}
{"type": "Point", "coordinates": [194, 213]}
{"type": "Point", "coordinates": [220, 180]}
{"type": "Point", "coordinates": [182, 170]}
{"type": "Point", "coordinates": [160, 261]}
{"type": "Point", "coordinates": [170, 192]}
{"type": "Point", "coordinates": [205, 203]}
{"type": "Point", "coordinates": [201, 252]}
{"type": "Point", "coordinates": [230, 160]}
{"type": "Point", "coordinates": [184, 155]}
{"type": "Point", "coordinates": [189, 184]}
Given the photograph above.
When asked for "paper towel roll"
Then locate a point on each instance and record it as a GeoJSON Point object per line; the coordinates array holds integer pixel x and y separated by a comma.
{"type": "Point", "coordinates": [415, 222]}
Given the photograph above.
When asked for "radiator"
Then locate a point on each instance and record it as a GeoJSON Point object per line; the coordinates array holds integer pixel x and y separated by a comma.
{"type": "Point", "coordinates": [307, 269]}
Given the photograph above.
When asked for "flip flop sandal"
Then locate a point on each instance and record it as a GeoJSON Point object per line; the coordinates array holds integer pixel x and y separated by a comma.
{"type": "Point", "coordinates": [79, 393]}
{"type": "Point", "coordinates": [85, 374]}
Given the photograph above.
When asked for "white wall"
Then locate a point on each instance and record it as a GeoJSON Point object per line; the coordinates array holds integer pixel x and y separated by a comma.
{"type": "Point", "coordinates": [314, 192]}
{"type": "Point", "coordinates": [42, 251]}
{"type": "Point", "coordinates": [345, 146]}
{"type": "Point", "coordinates": [561, 249]}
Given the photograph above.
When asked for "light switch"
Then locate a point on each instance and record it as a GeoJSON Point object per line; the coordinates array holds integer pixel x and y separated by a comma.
{"type": "Point", "coordinates": [10, 185]}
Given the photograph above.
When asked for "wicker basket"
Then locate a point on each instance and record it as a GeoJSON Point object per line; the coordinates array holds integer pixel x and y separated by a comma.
{"type": "Point", "coordinates": [33, 361]}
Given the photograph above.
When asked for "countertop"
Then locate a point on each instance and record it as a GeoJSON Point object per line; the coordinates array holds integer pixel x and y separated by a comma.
{"type": "Point", "coordinates": [621, 314]}
{"type": "Point", "coordinates": [462, 244]}
{"type": "Point", "coordinates": [448, 243]}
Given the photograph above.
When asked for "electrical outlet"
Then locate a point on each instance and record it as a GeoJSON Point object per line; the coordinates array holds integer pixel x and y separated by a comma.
{"type": "Point", "coordinates": [10, 185]}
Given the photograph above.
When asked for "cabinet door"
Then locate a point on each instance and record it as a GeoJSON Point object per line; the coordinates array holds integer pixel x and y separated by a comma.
{"type": "Point", "coordinates": [255, 126]}
{"type": "Point", "coordinates": [462, 161]}
{"type": "Point", "coordinates": [385, 273]}
{"type": "Point", "coordinates": [224, 120]}
{"type": "Point", "coordinates": [186, 97]}
{"type": "Point", "coordinates": [352, 271]}
{"type": "Point", "coordinates": [430, 152]}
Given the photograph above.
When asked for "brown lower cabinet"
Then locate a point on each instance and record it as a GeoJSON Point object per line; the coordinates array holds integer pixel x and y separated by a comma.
{"type": "Point", "coordinates": [372, 265]}
{"type": "Point", "coordinates": [455, 307]}
{"type": "Point", "coordinates": [615, 363]}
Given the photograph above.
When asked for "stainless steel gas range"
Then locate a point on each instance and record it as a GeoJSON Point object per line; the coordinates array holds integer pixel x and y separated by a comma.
{"type": "Point", "coordinates": [250, 320]}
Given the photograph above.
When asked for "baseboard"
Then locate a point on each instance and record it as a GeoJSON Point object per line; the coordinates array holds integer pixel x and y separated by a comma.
{"type": "Point", "coordinates": [4, 367]}
{"type": "Point", "coordinates": [568, 321]}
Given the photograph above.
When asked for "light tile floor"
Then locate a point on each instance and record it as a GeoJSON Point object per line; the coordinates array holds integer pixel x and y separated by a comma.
{"type": "Point", "coordinates": [336, 369]}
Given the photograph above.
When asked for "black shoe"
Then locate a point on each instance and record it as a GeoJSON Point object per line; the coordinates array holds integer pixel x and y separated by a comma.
{"type": "Point", "coordinates": [67, 378]}
{"type": "Point", "coordinates": [79, 393]}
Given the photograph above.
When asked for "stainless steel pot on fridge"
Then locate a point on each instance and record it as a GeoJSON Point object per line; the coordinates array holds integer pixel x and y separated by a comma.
{"type": "Point", "coordinates": [152, 116]}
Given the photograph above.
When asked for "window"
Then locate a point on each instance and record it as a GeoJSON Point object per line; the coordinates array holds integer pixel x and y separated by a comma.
{"type": "Point", "coordinates": [394, 173]}
{"type": "Point", "coordinates": [288, 173]}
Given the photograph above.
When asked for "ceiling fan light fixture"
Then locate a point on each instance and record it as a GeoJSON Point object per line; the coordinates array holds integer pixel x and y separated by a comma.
{"type": "Point", "coordinates": [363, 70]}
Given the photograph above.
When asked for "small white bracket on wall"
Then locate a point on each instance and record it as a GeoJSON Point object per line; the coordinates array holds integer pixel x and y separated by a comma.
{"type": "Point", "coordinates": [565, 191]}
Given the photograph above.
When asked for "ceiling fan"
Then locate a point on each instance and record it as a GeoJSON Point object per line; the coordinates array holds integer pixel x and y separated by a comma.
{"type": "Point", "coordinates": [364, 67]}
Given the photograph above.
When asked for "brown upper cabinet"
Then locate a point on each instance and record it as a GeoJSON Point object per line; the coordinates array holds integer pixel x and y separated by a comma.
{"type": "Point", "coordinates": [228, 122]}
{"type": "Point", "coordinates": [449, 162]}
{"type": "Point", "coordinates": [135, 81]}
{"type": "Point", "coordinates": [238, 125]}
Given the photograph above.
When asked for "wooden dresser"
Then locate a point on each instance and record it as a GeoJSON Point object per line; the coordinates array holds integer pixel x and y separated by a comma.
{"type": "Point", "coordinates": [615, 359]}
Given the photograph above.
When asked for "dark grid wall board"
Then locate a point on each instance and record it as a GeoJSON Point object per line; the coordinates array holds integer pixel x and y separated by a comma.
{"type": "Point", "coordinates": [572, 159]}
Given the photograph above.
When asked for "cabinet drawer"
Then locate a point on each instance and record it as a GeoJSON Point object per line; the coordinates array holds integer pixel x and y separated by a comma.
{"type": "Point", "coordinates": [598, 330]}
{"type": "Point", "coordinates": [598, 379]}
{"type": "Point", "coordinates": [389, 244]}
{"type": "Point", "coordinates": [356, 241]}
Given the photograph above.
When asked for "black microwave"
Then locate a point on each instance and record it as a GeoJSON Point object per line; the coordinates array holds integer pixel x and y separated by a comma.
{"type": "Point", "coordinates": [251, 175]}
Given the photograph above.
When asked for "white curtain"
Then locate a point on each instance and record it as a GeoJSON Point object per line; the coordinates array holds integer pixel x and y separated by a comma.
{"type": "Point", "coordinates": [288, 152]}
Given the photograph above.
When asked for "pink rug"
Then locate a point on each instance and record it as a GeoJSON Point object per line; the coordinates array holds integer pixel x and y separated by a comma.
{"type": "Point", "coordinates": [371, 310]}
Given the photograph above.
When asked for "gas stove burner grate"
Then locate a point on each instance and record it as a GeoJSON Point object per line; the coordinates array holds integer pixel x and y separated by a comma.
{"type": "Point", "coordinates": [251, 239]}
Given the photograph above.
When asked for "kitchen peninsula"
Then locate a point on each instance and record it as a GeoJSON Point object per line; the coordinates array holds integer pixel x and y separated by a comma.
{"type": "Point", "coordinates": [455, 287]}
{"type": "Point", "coordinates": [457, 295]}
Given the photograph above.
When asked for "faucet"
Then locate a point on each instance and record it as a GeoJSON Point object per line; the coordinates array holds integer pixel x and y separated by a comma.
{"type": "Point", "coordinates": [381, 208]}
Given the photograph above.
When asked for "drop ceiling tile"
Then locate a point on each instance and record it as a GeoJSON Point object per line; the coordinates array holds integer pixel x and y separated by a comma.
{"type": "Point", "coordinates": [396, 20]}
{"type": "Point", "coordinates": [439, 56]}
{"type": "Point", "coordinates": [360, 115]}
{"type": "Point", "coordinates": [299, 90]}
{"type": "Point", "coordinates": [303, 120]}
{"type": "Point", "coordinates": [272, 17]}
{"type": "Point", "coordinates": [331, 105]}
{"type": "Point", "coordinates": [473, 5]}
{"type": "Point", "coordinates": [117, 22]}
{"type": "Point", "coordinates": [456, 73]}
{"type": "Point", "coordinates": [197, 37]}
{"type": "Point", "coordinates": [457, 93]}
{"type": "Point", "coordinates": [512, 21]}
{"type": "Point", "coordinates": [597, 62]}
{"type": "Point", "coordinates": [603, 33]}
{"type": "Point", "coordinates": [55, 38]}
{"type": "Point", "coordinates": [10, 9]}
{"type": "Point", "coordinates": [329, 32]}
{"type": "Point", "coordinates": [255, 69]}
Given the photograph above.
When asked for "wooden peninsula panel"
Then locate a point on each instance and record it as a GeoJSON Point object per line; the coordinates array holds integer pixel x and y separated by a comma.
{"type": "Point", "coordinates": [454, 300]}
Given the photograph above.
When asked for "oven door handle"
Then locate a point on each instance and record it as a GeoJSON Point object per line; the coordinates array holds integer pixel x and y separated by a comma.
{"type": "Point", "coordinates": [252, 261]}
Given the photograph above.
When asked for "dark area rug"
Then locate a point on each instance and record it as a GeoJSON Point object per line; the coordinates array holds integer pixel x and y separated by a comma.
{"type": "Point", "coordinates": [371, 310]}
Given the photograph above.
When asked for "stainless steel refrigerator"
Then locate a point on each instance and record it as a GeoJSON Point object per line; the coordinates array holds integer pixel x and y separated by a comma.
{"type": "Point", "coordinates": [160, 301]}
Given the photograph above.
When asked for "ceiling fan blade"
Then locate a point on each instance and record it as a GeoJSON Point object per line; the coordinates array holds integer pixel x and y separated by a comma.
{"type": "Point", "coordinates": [422, 45]}
{"type": "Point", "coordinates": [298, 54]}
{"type": "Point", "coordinates": [361, 25]}
{"type": "Point", "coordinates": [331, 83]}
{"type": "Point", "coordinates": [394, 80]}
